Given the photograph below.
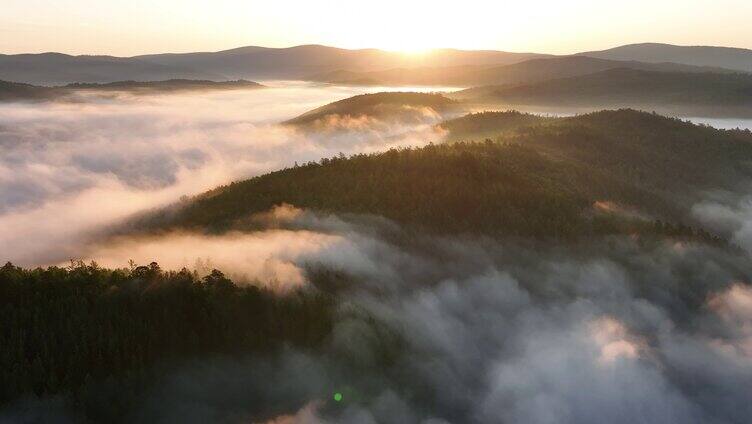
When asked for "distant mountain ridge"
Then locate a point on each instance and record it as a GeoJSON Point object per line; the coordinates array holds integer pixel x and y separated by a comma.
{"type": "Point", "coordinates": [300, 62]}
{"type": "Point", "coordinates": [166, 85]}
{"type": "Point", "coordinates": [314, 62]}
{"type": "Point", "coordinates": [61, 69]}
{"type": "Point", "coordinates": [13, 91]}
{"type": "Point", "coordinates": [375, 105]}
{"type": "Point", "coordinates": [528, 71]}
{"type": "Point", "coordinates": [626, 84]}
{"type": "Point", "coordinates": [737, 59]}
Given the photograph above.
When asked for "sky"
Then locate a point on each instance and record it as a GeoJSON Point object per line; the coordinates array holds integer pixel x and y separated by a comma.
{"type": "Point", "coordinates": [126, 28]}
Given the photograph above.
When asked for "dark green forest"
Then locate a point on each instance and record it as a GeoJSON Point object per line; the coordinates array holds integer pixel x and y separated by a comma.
{"type": "Point", "coordinates": [501, 175]}
{"type": "Point", "coordinates": [489, 125]}
{"type": "Point", "coordinates": [668, 156]}
{"type": "Point", "coordinates": [68, 330]}
{"type": "Point", "coordinates": [14, 91]}
{"type": "Point", "coordinates": [539, 179]}
{"type": "Point", "coordinates": [623, 87]}
{"type": "Point", "coordinates": [376, 105]}
{"type": "Point", "coordinates": [486, 187]}
{"type": "Point", "coordinates": [525, 72]}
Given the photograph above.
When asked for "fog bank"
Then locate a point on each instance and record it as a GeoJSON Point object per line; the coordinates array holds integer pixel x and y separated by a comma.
{"type": "Point", "coordinates": [482, 331]}
{"type": "Point", "coordinates": [68, 170]}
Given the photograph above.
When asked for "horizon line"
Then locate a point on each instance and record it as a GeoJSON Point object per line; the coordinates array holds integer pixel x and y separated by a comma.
{"type": "Point", "coordinates": [421, 52]}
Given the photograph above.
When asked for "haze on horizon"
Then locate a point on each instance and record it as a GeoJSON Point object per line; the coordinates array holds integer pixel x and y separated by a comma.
{"type": "Point", "coordinates": [141, 27]}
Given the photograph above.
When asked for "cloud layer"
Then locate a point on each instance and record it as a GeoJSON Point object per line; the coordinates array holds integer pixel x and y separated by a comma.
{"type": "Point", "coordinates": [481, 331]}
{"type": "Point", "coordinates": [431, 329]}
{"type": "Point", "coordinates": [70, 169]}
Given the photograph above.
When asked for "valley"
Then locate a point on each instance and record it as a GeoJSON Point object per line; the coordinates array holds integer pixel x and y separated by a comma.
{"type": "Point", "coordinates": [312, 235]}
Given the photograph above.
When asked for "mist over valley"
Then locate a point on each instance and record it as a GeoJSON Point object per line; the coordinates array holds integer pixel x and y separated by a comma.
{"type": "Point", "coordinates": [316, 234]}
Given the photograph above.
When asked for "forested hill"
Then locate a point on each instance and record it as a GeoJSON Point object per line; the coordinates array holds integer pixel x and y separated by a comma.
{"type": "Point", "coordinates": [482, 125]}
{"type": "Point", "coordinates": [167, 85]}
{"type": "Point", "coordinates": [626, 87]}
{"type": "Point", "coordinates": [540, 181]}
{"type": "Point", "coordinates": [666, 155]}
{"type": "Point", "coordinates": [489, 187]}
{"type": "Point", "coordinates": [378, 105]}
{"type": "Point", "coordinates": [524, 72]}
{"type": "Point", "coordinates": [727, 57]}
{"type": "Point", "coordinates": [99, 336]}
{"type": "Point", "coordinates": [12, 91]}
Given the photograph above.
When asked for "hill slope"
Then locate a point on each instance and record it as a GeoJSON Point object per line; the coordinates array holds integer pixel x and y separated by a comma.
{"type": "Point", "coordinates": [725, 57]}
{"type": "Point", "coordinates": [533, 70]}
{"type": "Point", "coordinates": [300, 62]}
{"type": "Point", "coordinates": [626, 88]}
{"type": "Point", "coordinates": [398, 105]}
{"type": "Point", "coordinates": [57, 69]}
{"type": "Point", "coordinates": [483, 187]}
{"type": "Point", "coordinates": [669, 157]}
{"type": "Point", "coordinates": [541, 180]}
{"type": "Point", "coordinates": [489, 125]}
{"type": "Point", "coordinates": [322, 63]}
{"type": "Point", "coordinates": [166, 86]}
{"type": "Point", "coordinates": [241, 63]}
{"type": "Point", "coordinates": [12, 91]}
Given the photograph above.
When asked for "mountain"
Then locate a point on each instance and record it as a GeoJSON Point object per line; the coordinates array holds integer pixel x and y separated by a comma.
{"type": "Point", "coordinates": [449, 76]}
{"type": "Point", "coordinates": [364, 66]}
{"type": "Point", "coordinates": [532, 70]}
{"type": "Point", "coordinates": [302, 61]}
{"type": "Point", "coordinates": [241, 63]}
{"type": "Point", "coordinates": [449, 188]}
{"type": "Point", "coordinates": [652, 153]}
{"type": "Point", "coordinates": [542, 69]}
{"type": "Point", "coordinates": [58, 69]}
{"type": "Point", "coordinates": [539, 180]}
{"type": "Point", "coordinates": [554, 219]}
{"type": "Point", "coordinates": [490, 125]}
{"type": "Point", "coordinates": [12, 91]}
{"type": "Point", "coordinates": [724, 57]}
{"type": "Point", "coordinates": [728, 93]}
{"type": "Point", "coordinates": [166, 86]}
{"type": "Point", "coordinates": [395, 105]}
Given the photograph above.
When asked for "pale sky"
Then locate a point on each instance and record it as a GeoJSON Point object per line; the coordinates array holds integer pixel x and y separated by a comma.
{"type": "Point", "coordinates": [131, 27]}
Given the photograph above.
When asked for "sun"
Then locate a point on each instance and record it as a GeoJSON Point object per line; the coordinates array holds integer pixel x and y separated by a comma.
{"type": "Point", "coordinates": [413, 51]}
{"type": "Point", "coordinates": [409, 47]}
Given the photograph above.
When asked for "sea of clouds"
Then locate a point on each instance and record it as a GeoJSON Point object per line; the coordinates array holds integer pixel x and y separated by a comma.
{"type": "Point", "coordinates": [496, 332]}
{"type": "Point", "coordinates": [70, 169]}
{"type": "Point", "coordinates": [476, 330]}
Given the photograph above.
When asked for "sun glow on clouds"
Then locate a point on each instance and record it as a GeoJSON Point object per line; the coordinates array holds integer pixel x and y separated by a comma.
{"type": "Point", "coordinates": [734, 308]}
{"type": "Point", "coordinates": [268, 258]}
{"type": "Point", "coordinates": [613, 340]}
{"type": "Point", "coordinates": [271, 258]}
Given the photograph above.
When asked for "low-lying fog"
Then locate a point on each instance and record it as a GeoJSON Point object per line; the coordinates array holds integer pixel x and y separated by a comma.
{"type": "Point", "coordinates": [484, 333]}
{"type": "Point", "coordinates": [68, 169]}
{"type": "Point", "coordinates": [492, 332]}
{"type": "Point", "coordinates": [723, 123]}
